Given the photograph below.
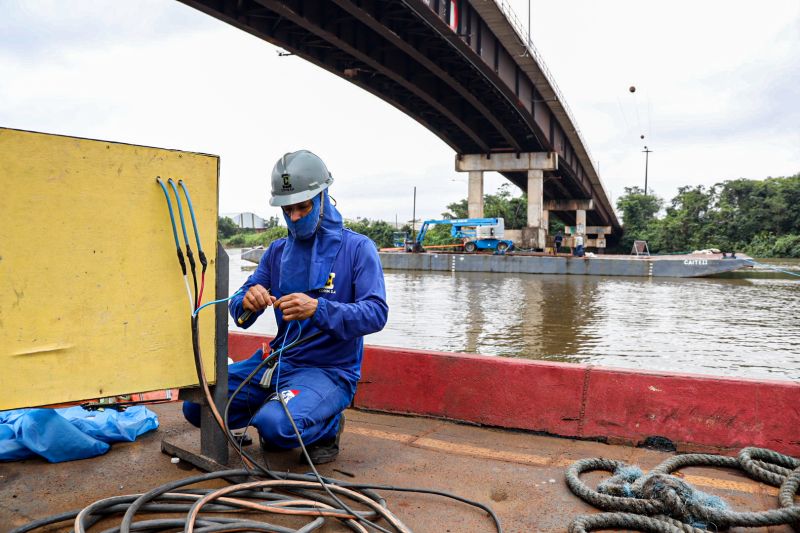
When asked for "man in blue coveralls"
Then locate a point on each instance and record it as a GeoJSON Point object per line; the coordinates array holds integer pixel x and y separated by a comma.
{"type": "Point", "coordinates": [321, 278]}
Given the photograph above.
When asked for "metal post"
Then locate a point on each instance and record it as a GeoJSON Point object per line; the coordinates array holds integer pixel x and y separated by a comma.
{"type": "Point", "coordinates": [529, 26]}
{"type": "Point", "coordinates": [212, 441]}
{"type": "Point", "coordinates": [414, 221]}
{"type": "Point", "coordinates": [646, 153]}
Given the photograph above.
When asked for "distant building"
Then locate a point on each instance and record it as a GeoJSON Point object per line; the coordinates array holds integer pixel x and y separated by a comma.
{"type": "Point", "coordinates": [247, 220]}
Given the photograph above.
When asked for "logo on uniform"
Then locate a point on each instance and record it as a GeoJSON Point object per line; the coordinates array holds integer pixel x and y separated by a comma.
{"type": "Point", "coordinates": [328, 288]}
{"type": "Point", "coordinates": [289, 394]}
{"type": "Point", "coordinates": [287, 185]}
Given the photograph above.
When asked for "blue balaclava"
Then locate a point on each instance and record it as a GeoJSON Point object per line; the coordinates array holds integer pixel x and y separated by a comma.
{"type": "Point", "coordinates": [311, 247]}
{"type": "Point", "coordinates": [306, 227]}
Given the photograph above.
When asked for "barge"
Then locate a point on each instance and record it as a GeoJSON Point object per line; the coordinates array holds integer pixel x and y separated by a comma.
{"type": "Point", "coordinates": [489, 429]}
{"type": "Point", "coordinates": [668, 266]}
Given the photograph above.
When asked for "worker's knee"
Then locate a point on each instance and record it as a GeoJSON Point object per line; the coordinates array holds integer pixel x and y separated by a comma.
{"type": "Point", "coordinates": [191, 411]}
{"type": "Point", "coordinates": [275, 428]}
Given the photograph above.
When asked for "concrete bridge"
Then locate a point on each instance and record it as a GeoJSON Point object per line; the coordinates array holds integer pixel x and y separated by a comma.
{"type": "Point", "coordinates": [465, 70]}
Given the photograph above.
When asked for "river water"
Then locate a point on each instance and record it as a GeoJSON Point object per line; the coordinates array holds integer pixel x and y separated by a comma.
{"type": "Point", "coordinates": [734, 327]}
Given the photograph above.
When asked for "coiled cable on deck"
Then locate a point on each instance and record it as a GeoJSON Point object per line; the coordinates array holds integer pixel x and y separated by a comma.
{"type": "Point", "coordinates": [661, 502]}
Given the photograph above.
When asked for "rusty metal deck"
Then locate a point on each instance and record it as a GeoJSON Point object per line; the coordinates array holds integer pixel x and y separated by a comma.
{"type": "Point", "coordinates": [520, 475]}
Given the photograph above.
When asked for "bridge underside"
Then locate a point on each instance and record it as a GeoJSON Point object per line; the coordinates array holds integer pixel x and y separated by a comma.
{"type": "Point", "coordinates": [453, 76]}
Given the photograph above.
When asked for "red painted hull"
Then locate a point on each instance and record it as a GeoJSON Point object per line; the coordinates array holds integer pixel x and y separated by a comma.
{"type": "Point", "coordinates": [696, 412]}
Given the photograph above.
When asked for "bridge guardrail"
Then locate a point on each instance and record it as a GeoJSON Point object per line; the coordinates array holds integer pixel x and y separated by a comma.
{"type": "Point", "coordinates": [519, 29]}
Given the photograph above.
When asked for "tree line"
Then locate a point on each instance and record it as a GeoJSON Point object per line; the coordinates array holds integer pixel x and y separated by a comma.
{"type": "Point", "coordinates": [232, 236]}
{"type": "Point", "coordinates": [758, 217]}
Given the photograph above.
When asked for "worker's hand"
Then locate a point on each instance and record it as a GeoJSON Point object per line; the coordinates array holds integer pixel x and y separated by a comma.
{"type": "Point", "coordinates": [257, 298]}
{"type": "Point", "coordinates": [296, 306]}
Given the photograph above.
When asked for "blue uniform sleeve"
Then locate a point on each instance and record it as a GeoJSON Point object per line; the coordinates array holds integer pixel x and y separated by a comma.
{"type": "Point", "coordinates": [261, 276]}
{"type": "Point", "coordinates": [369, 311]}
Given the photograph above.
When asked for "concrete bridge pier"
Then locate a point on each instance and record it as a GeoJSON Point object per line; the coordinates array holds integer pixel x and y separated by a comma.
{"type": "Point", "coordinates": [580, 221]}
{"type": "Point", "coordinates": [475, 195]}
{"type": "Point", "coordinates": [534, 163]}
{"type": "Point", "coordinates": [580, 228]}
{"type": "Point", "coordinates": [535, 235]}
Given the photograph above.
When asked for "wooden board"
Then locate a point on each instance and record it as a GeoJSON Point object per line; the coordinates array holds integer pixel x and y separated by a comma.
{"type": "Point", "coordinates": [92, 299]}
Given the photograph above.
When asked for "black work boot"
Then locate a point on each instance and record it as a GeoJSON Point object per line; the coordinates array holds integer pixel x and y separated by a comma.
{"type": "Point", "coordinates": [324, 451]}
{"type": "Point", "coordinates": [268, 447]}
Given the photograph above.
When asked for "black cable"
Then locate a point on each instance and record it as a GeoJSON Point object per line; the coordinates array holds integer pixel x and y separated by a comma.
{"type": "Point", "coordinates": [174, 230]}
{"type": "Point", "coordinates": [249, 378]}
{"type": "Point", "coordinates": [172, 485]}
{"type": "Point", "coordinates": [319, 478]}
{"type": "Point", "coordinates": [244, 382]}
{"type": "Point", "coordinates": [201, 255]}
{"type": "Point", "coordinates": [201, 376]}
{"type": "Point", "coordinates": [189, 254]}
{"type": "Point", "coordinates": [444, 494]}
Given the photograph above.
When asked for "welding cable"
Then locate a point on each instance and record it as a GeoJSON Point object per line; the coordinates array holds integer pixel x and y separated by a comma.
{"type": "Point", "coordinates": [223, 300]}
{"type": "Point", "coordinates": [276, 354]}
{"type": "Point", "coordinates": [189, 254]}
{"type": "Point", "coordinates": [201, 376]}
{"type": "Point", "coordinates": [288, 484]}
{"type": "Point", "coordinates": [141, 501]}
{"type": "Point", "coordinates": [200, 254]}
{"type": "Point", "coordinates": [327, 486]}
{"type": "Point", "coordinates": [322, 482]}
{"type": "Point", "coordinates": [177, 243]}
{"type": "Point", "coordinates": [268, 360]}
{"type": "Point", "coordinates": [152, 494]}
{"type": "Point", "coordinates": [121, 505]}
{"type": "Point", "coordinates": [488, 510]}
{"type": "Point", "coordinates": [101, 509]}
{"type": "Point", "coordinates": [199, 367]}
{"type": "Point", "coordinates": [296, 507]}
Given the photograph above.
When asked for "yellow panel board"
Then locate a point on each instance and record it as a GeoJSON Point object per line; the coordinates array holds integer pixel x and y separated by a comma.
{"type": "Point", "coordinates": [92, 299]}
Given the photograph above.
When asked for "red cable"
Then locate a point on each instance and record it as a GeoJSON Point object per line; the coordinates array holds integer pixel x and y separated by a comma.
{"type": "Point", "coordinates": [202, 286]}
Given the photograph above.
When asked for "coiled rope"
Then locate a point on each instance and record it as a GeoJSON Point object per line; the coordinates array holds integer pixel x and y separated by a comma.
{"type": "Point", "coordinates": [660, 502]}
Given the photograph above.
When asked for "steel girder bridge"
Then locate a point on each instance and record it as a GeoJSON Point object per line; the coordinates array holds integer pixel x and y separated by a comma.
{"type": "Point", "coordinates": [462, 68]}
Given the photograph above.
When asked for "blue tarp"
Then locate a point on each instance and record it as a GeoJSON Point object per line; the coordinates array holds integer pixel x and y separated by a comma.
{"type": "Point", "coordinates": [70, 433]}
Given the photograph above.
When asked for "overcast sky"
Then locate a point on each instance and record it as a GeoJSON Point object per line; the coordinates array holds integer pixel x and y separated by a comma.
{"type": "Point", "coordinates": [718, 95]}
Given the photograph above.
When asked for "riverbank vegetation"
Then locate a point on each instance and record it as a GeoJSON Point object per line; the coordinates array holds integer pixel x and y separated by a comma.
{"type": "Point", "coordinates": [231, 236]}
{"type": "Point", "coordinates": [758, 217]}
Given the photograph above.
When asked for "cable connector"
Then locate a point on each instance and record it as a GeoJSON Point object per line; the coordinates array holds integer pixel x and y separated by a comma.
{"type": "Point", "coordinates": [181, 260]}
{"type": "Point", "coordinates": [203, 260]}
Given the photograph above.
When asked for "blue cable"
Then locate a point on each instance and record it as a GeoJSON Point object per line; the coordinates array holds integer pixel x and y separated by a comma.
{"type": "Point", "coordinates": [280, 352]}
{"type": "Point", "coordinates": [171, 215]}
{"type": "Point", "coordinates": [174, 231]}
{"type": "Point", "coordinates": [215, 302]}
{"type": "Point", "coordinates": [191, 212]}
{"type": "Point", "coordinates": [773, 268]}
{"type": "Point", "coordinates": [180, 210]}
{"type": "Point", "coordinates": [189, 254]}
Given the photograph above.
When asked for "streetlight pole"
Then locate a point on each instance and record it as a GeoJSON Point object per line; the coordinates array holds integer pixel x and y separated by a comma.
{"type": "Point", "coordinates": [646, 153]}
{"type": "Point", "coordinates": [414, 223]}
